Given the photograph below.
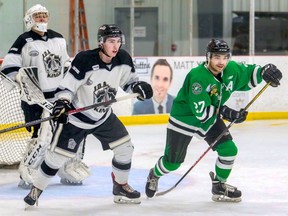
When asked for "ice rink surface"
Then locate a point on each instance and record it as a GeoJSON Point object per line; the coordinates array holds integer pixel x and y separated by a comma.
{"type": "Point", "coordinates": [260, 172]}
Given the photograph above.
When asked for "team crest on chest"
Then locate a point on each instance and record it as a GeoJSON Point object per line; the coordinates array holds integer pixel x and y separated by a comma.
{"type": "Point", "coordinates": [52, 63]}
{"type": "Point", "coordinates": [102, 93]}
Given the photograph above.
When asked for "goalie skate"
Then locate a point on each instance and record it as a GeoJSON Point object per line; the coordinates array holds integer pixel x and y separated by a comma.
{"type": "Point", "coordinates": [125, 194]}
{"type": "Point", "coordinates": [222, 192]}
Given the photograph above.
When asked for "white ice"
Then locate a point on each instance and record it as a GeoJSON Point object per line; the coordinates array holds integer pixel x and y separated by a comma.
{"type": "Point", "coordinates": [260, 171]}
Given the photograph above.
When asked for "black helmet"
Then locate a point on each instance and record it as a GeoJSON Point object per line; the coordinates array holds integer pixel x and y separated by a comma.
{"type": "Point", "coordinates": [109, 30]}
{"type": "Point", "coordinates": [217, 46]}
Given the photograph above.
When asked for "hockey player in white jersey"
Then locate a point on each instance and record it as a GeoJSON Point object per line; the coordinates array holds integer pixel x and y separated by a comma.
{"type": "Point", "coordinates": [94, 77]}
{"type": "Point", "coordinates": [46, 50]}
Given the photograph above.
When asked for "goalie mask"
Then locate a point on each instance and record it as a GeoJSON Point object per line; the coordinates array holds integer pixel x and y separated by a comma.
{"type": "Point", "coordinates": [29, 18]}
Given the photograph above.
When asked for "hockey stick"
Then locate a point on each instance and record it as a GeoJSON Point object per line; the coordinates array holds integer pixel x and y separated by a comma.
{"type": "Point", "coordinates": [211, 146]}
{"type": "Point", "coordinates": [105, 103]}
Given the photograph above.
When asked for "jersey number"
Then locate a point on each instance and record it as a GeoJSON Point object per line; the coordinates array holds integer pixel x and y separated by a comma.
{"type": "Point", "coordinates": [199, 107]}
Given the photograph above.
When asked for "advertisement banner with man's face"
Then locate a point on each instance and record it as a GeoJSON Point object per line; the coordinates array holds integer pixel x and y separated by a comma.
{"type": "Point", "coordinates": [180, 66]}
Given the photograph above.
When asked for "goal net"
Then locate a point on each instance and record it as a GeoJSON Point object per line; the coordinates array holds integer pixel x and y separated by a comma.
{"type": "Point", "coordinates": [12, 143]}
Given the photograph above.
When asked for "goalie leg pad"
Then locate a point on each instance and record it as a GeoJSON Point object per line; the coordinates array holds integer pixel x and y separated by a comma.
{"type": "Point", "coordinates": [74, 171]}
{"type": "Point", "coordinates": [27, 175]}
{"type": "Point", "coordinates": [35, 157]}
{"type": "Point", "coordinates": [35, 152]}
{"type": "Point", "coordinates": [25, 172]}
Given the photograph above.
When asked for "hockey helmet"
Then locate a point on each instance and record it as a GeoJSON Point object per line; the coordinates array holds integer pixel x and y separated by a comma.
{"type": "Point", "coordinates": [109, 30]}
{"type": "Point", "coordinates": [217, 46]}
{"type": "Point", "coordinates": [29, 20]}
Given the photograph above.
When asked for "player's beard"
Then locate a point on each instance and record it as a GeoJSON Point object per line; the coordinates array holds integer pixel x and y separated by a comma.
{"type": "Point", "coordinates": [215, 69]}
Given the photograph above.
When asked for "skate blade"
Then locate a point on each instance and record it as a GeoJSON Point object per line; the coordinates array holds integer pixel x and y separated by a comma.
{"type": "Point", "coordinates": [27, 207]}
{"type": "Point", "coordinates": [125, 200]}
{"type": "Point", "coordinates": [222, 198]}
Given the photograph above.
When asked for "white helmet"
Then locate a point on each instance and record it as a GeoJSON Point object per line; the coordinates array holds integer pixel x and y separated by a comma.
{"type": "Point", "coordinates": [30, 22]}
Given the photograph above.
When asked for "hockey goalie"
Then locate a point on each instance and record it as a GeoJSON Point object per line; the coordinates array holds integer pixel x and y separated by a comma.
{"type": "Point", "coordinates": [36, 62]}
{"type": "Point", "coordinates": [73, 171]}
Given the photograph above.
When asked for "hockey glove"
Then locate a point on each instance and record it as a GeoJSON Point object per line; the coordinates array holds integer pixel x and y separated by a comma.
{"type": "Point", "coordinates": [60, 109]}
{"type": "Point", "coordinates": [32, 113]}
{"type": "Point", "coordinates": [143, 89]}
{"type": "Point", "coordinates": [233, 115]}
{"type": "Point", "coordinates": [271, 73]}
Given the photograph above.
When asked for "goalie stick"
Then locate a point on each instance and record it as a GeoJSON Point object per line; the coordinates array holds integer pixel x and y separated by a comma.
{"type": "Point", "coordinates": [105, 103]}
{"type": "Point", "coordinates": [211, 146]}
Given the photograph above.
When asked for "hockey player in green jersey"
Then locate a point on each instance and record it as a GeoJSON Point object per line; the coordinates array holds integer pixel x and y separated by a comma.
{"type": "Point", "coordinates": [199, 110]}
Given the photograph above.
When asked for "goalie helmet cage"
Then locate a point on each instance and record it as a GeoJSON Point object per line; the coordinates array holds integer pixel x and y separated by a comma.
{"type": "Point", "coordinates": [12, 144]}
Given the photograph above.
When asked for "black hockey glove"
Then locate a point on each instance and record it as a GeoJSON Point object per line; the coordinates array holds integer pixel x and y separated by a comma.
{"type": "Point", "coordinates": [233, 115]}
{"type": "Point", "coordinates": [142, 88]}
{"type": "Point", "coordinates": [271, 73]}
{"type": "Point", "coordinates": [60, 109]}
{"type": "Point", "coordinates": [32, 113]}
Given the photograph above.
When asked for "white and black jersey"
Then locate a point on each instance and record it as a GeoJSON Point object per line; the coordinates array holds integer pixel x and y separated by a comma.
{"type": "Point", "coordinates": [90, 80]}
{"type": "Point", "coordinates": [47, 53]}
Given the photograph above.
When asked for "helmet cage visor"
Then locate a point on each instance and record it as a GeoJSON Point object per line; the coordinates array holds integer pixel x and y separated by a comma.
{"type": "Point", "coordinates": [31, 13]}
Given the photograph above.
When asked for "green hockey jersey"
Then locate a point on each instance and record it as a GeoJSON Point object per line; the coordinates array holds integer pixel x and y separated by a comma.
{"type": "Point", "coordinates": [202, 93]}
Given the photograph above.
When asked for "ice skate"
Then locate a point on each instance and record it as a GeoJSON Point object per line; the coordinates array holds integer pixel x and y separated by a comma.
{"type": "Point", "coordinates": [223, 192]}
{"type": "Point", "coordinates": [32, 198]}
{"type": "Point", "coordinates": [151, 184]}
{"type": "Point", "coordinates": [125, 194]}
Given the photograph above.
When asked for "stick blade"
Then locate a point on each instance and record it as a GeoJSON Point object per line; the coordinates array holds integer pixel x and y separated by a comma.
{"type": "Point", "coordinates": [165, 192]}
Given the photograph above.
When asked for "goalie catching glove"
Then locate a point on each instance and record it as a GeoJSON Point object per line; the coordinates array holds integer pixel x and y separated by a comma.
{"type": "Point", "coordinates": [60, 110]}
{"type": "Point", "coordinates": [272, 74]}
{"type": "Point", "coordinates": [143, 89]}
{"type": "Point", "coordinates": [233, 115]}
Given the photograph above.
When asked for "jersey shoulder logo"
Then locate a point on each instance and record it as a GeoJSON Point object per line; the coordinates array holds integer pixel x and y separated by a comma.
{"type": "Point", "coordinates": [196, 88]}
